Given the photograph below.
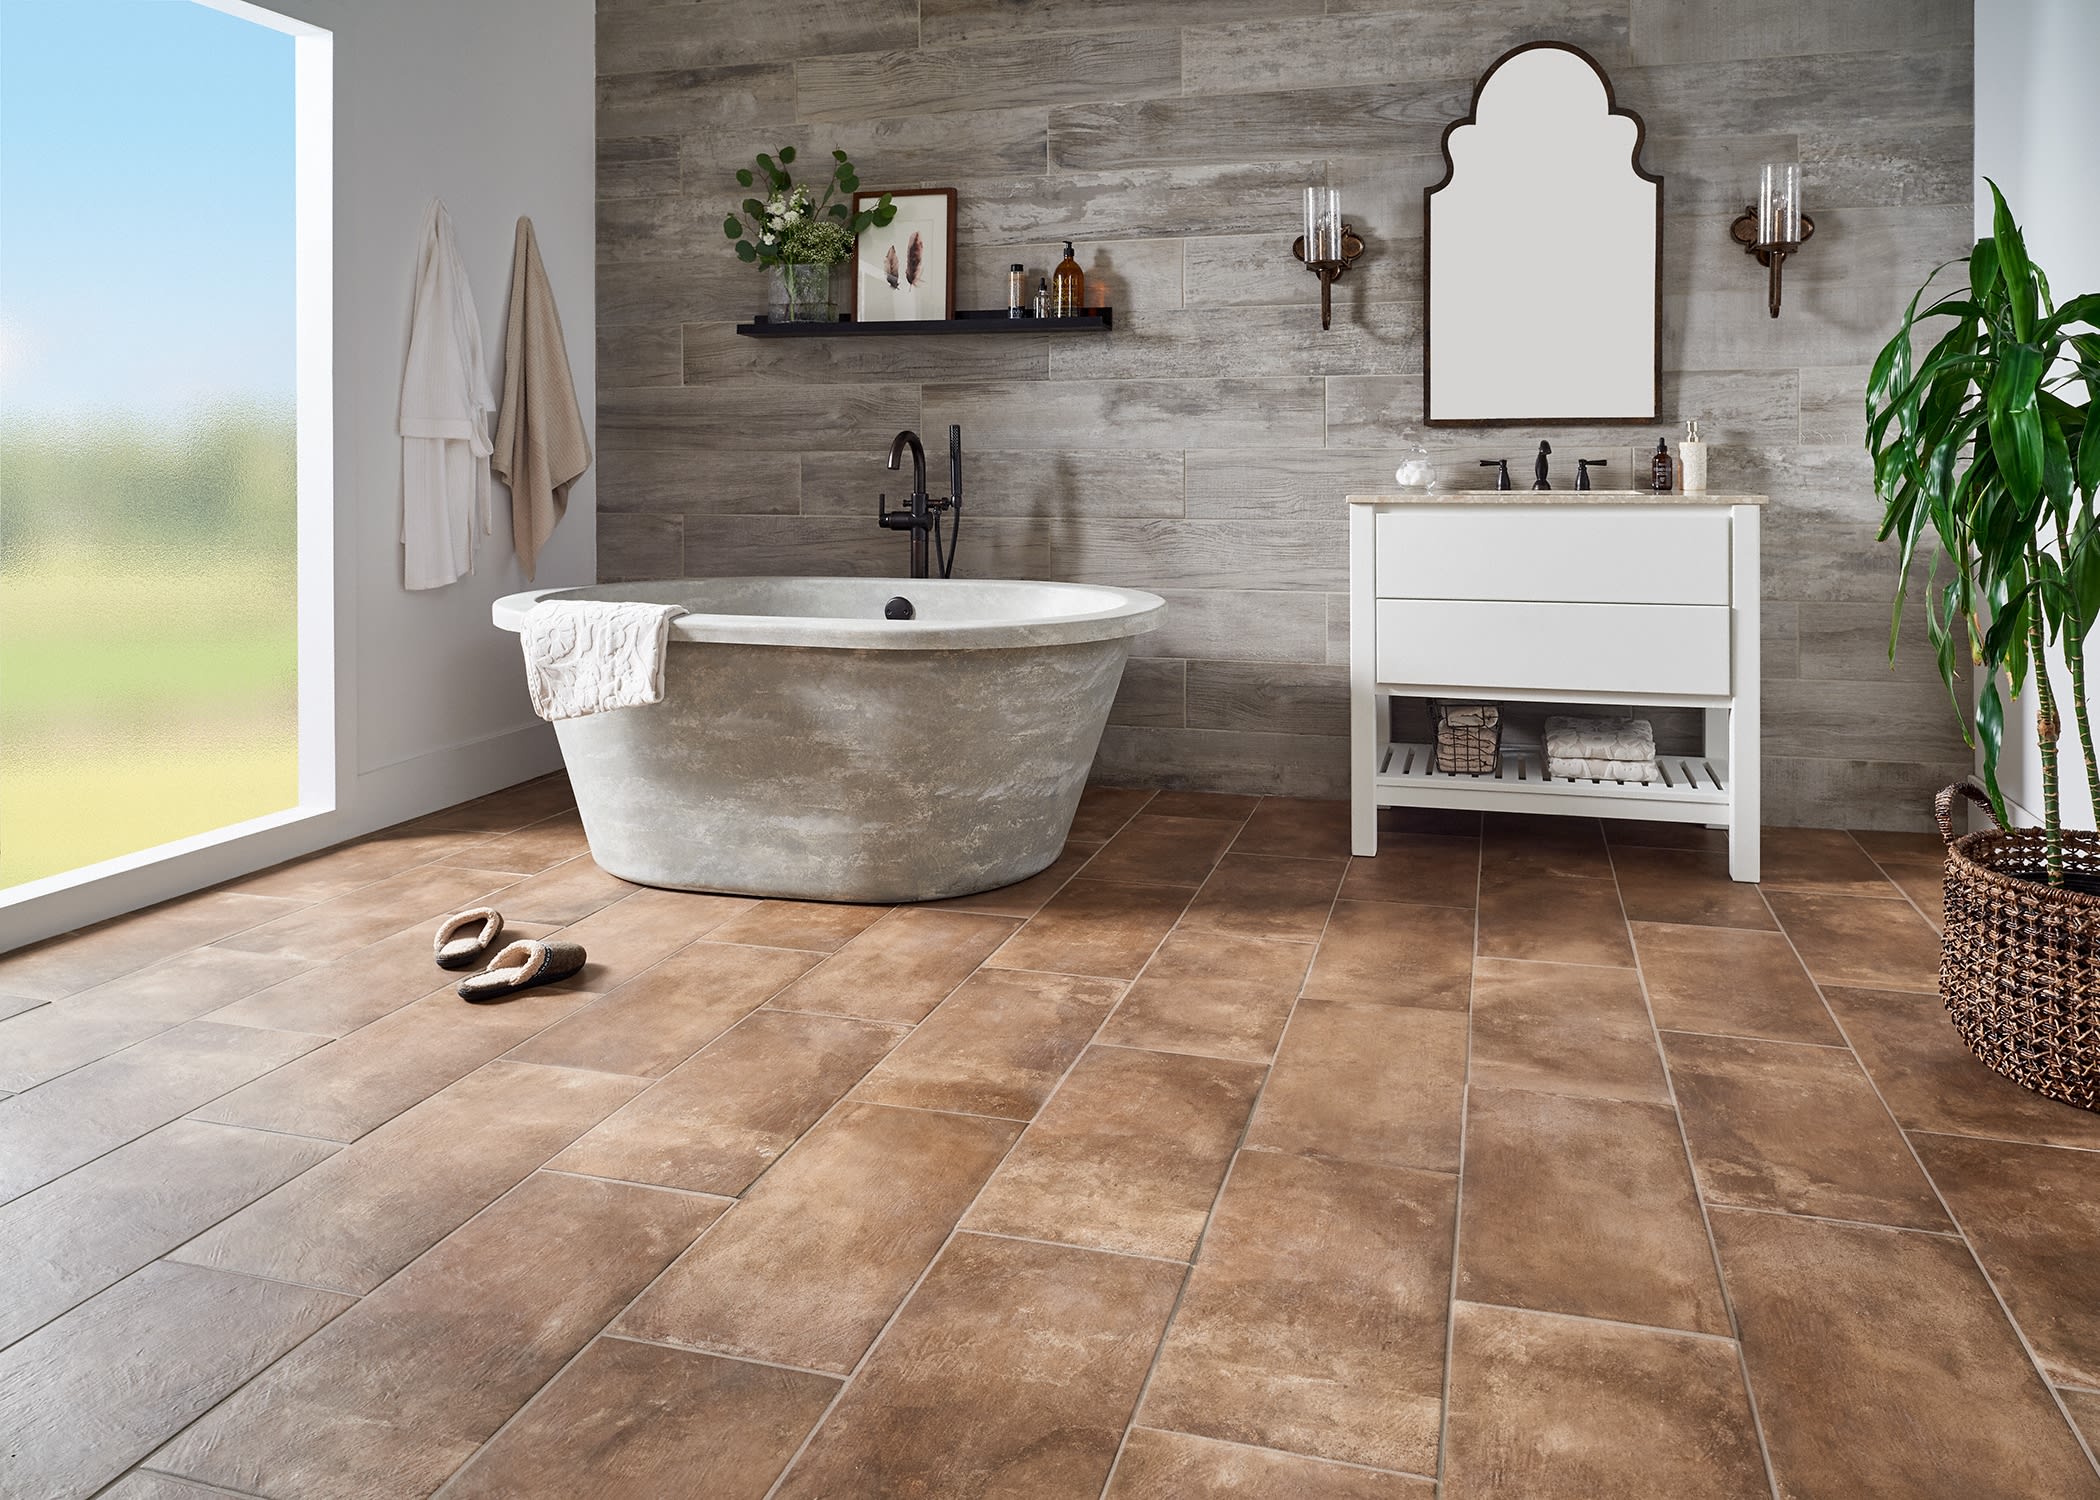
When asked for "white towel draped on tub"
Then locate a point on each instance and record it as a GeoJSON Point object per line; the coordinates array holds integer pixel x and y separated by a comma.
{"type": "Point", "coordinates": [445, 406]}
{"type": "Point", "coordinates": [584, 656]}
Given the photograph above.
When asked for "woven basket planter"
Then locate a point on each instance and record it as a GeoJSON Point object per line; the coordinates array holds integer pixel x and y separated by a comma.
{"type": "Point", "coordinates": [2020, 959]}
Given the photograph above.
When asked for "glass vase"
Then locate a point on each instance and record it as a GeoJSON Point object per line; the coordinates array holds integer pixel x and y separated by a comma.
{"type": "Point", "coordinates": [801, 294]}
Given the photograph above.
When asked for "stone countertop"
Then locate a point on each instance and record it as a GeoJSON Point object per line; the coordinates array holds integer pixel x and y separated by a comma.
{"type": "Point", "coordinates": [1552, 497]}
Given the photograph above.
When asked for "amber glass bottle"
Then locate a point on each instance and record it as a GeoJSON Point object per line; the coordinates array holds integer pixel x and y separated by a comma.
{"type": "Point", "coordinates": [1067, 287]}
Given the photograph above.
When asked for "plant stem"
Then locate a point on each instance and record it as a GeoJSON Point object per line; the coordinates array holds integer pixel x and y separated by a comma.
{"type": "Point", "coordinates": [2074, 657]}
{"type": "Point", "coordinates": [2047, 728]}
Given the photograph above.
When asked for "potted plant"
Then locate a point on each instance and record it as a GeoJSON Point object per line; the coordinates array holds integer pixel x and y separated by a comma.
{"type": "Point", "coordinates": [1987, 458]}
{"type": "Point", "coordinates": [800, 237]}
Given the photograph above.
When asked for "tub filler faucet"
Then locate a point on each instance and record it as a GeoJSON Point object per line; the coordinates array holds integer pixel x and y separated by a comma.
{"type": "Point", "coordinates": [922, 517]}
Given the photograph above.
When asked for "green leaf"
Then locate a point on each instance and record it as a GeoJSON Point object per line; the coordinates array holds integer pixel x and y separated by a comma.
{"type": "Point", "coordinates": [753, 207]}
{"type": "Point", "coordinates": [733, 228]}
{"type": "Point", "coordinates": [2014, 266]}
{"type": "Point", "coordinates": [1990, 735]}
{"type": "Point", "coordinates": [838, 155]}
{"type": "Point", "coordinates": [1983, 269]}
{"type": "Point", "coordinates": [850, 184]}
{"type": "Point", "coordinates": [840, 211]}
{"type": "Point", "coordinates": [2015, 425]}
{"type": "Point", "coordinates": [744, 177]}
{"type": "Point", "coordinates": [746, 251]}
{"type": "Point", "coordinates": [787, 154]}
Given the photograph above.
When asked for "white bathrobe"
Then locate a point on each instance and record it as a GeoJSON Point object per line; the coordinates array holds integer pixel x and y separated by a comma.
{"type": "Point", "coordinates": [445, 404]}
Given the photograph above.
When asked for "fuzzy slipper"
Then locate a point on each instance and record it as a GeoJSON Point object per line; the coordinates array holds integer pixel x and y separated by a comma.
{"type": "Point", "coordinates": [455, 947]}
{"type": "Point", "coordinates": [521, 966]}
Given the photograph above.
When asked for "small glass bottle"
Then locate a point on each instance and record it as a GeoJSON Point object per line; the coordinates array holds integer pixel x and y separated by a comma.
{"type": "Point", "coordinates": [1042, 298]}
{"type": "Point", "coordinates": [1067, 287]}
{"type": "Point", "coordinates": [1663, 469]}
{"type": "Point", "coordinates": [1016, 291]}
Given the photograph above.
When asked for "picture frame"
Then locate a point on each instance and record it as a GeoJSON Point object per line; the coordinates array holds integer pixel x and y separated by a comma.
{"type": "Point", "coordinates": [904, 271]}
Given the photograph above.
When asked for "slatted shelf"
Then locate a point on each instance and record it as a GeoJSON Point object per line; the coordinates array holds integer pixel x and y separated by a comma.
{"type": "Point", "coordinates": [1693, 786]}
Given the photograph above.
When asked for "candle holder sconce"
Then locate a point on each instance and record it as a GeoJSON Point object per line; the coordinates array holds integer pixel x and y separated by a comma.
{"type": "Point", "coordinates": [1774, 227]}
{"type": "Point", "coordinates": [1330, 270]}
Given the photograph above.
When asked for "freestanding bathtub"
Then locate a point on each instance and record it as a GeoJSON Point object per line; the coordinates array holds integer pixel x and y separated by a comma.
{"type": "Point", "coordinates": [809, 747]}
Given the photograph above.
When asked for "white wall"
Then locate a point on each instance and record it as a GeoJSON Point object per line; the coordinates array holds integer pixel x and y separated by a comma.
{"type": "Point", "coordinates": [489, 105]}
{"type": "Point", "coordinates": [2038, 137]}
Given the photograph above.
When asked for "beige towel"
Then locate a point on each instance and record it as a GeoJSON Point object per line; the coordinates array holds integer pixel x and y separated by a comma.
{"type": "Point", "coordinates": [541, 445]}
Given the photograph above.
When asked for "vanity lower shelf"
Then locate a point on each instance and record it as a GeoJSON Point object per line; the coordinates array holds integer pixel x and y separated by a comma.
{"type": "Point", "coordinates": [1692, 788]}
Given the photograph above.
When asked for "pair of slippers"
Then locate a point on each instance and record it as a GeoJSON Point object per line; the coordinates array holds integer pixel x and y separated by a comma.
{"type": "Point", "coordinates": [465, 939]}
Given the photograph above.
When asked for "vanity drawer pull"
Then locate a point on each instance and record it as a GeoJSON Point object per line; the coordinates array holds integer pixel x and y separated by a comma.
{"type": "Point", "coordinates": [1613, 650]}
{"type": "Point", "coordinates": [1618, 554]}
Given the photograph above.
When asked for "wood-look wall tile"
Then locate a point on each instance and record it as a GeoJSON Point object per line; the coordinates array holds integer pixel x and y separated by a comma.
{"type": "Point", "coordinates": [1215, 760]}
{"type": "Point", "coordinates": [762, 418]}
{"type": "Point", "coordinates": [1134, 275]}
{"type": "Point", "coordinates": [1667, 32]}
{"type": "Point", "coordinates": [633, 545]}
{"type": "Point", "coordinates": [1289, 125]}
{"type": "Point", "coordinates": [1002, 73]}
{"type": "Point", "coordinates": [1859, 719]}
{"type": "Point", "coordinates": [911, 150]}
{"type": "Point", "coordinates": [1885, 91]}
{"type": "Point", "coordinates": [1833, 406]}
{"type": "Point", "coordinates": [1261, 697]}
{"type": "Point", "coordinates": [715, 33]}
{"type": "Point", "coordinates": [1870, 793]}
{"type": "Point", "coordinates": [1144, 202]}
{"type": "Point", "coordinates": [1258, 270]}
{"type": "Point", "coordinates": [669, 102]}
{"type": "Point", "coordinates": [1153, 693]}
{"type": "Point", "coordinates": [715, 354]}
{"type": "Point", "coordinates": [1239, 625]}
{"type": "Point", "coordinates": [636, 166]}
{"type": "Point", "coordinates": [1128, 413]}
{"type": "Point", "coordinates": [1392, 46]}
{"type": "Point", "coordinates": [638, 354]}
{"type": "Point", "coordinates": [1267, 483]}
{"type": "Point", "coordinates": [1206, 343]}
{"type": "Point", "coordinates": [967, 20]}
{"type": "Point", "coordinates": [1929, 164]}
{"type": "Point", "coordinates": [694, 287]}
{"type": "Point", "coordinates": [1713, 174]}
{"type": "Point", "coordinates": [1006, 485]}
{"type": "Point", "coordinates": [673, 483]}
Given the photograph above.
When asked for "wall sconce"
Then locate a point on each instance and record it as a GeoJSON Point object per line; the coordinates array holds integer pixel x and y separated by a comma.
{"type": "Point", "coordinates": [1328, 247]}
{"type": "Point", "coordinates": [1774, 227]}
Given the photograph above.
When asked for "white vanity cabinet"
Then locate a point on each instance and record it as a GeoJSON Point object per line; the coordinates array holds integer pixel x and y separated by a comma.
{"type": "Point", "coordinates": [1557, 598]}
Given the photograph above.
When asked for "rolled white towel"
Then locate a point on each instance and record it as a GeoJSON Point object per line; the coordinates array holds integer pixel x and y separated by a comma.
{"type": "Point", "coordinates": [1585, 768]}
{"type": "Point", "coordinates": [584, 656]}
{"type": "Point", "coordinates": [1570, 738]}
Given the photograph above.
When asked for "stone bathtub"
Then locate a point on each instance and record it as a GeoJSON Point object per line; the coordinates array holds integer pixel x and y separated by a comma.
{"type": "Point", "coordinates": [808, 747]}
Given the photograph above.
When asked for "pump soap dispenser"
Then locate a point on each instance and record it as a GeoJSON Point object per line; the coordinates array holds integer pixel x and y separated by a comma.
{"type": "Point", "coordinates": [1067, 287]}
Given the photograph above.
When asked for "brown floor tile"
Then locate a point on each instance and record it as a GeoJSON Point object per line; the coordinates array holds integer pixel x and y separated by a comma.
{"type": "Point", "coordinates": [1174, 1466]}
{"type": "Point", "coordinates": [1298, 826]}
{"type": "Point", "coordinates": [143, 1484]}
{"type": "Point", "coordinates": [1314, 1320]}
{"type": "Point", "coordinates": [1525, 915]}
{"type": "Point", "coordinates": [632, 1421]}
{"type": "Point", "coordinates": [567, 892]}
{"type": "Point", "coordinates": [361, 862]}
{"type": "Point", "coordinates": [1032, 1355]}
{"type": "Point", "coordinates": [1924, 882]}
{"type": "Point", "coordinates": [399, 1391]}
{"type": "Point", "coordinates": [713, 1124]}
{"type": "Point", "coordinates": [331, 928]}
{"type": "Point", "coordinates": [1544, 844]}
{"type": "Point", "coordinates": [1439, 822]}
{"type": "Point", "coordinates": [997, 1046]}
{"type": "Point", "coordinates": [817, 1256]}
{"type": "Point", "coordinates": [533, 848]}
{"type": "Point", "coordinates": [1264, 896]}
{"type": "Point", "coordinates": [1796, 1129]}
{"type": "Point", "coordinates": [2033, 1215]}
{"type": "Point", "coordinates": [1423, 869]}
{"type": "Point", "coordinates": [75, 961]}
{"type": "Point", "coordinates": [15, 1005]}
{"type": "Point", "coordinates": [1546, 1408]}
{"type": "Point", "coordinates": [1732, 983]}
{"type": "Point", "coordinates": [1933, 1082]}
{"type": "Point", "coordinates": [666, 1013]}
{"type": "Point", "coordinates": [1379, 1084]}
{"type": "Point", "coordinates": [1127, 1155]}
{"type": "Point", "coordinates": [1681, 885]}
{"type": "Point", "coordinates": [1882, 1365]}
{"type": "Point", "coordinates": [1903, 844]}
{"type": "Point", "coordinates": [1213, 994]}
{"type": "Point", "coordinates": [817, 926]}
{"type": "Point", "coordinates": [1826, 860]}
{"type": "Point", "coordinates": [56, 1127]}
{"type": "Point", "coordinates": [1584, 1206]}
{"type": "Point", "coordinates": [369, 1210]}
{"type": "Point", "coordinates": [1564, 1029]}
{"type": "Point", "coordinates": [1103, 810]}
{"type": "Point", "coordinates": [2084, 1409]}
{"type": "Point", "coordinates": [67, 1240]}
{"type": "Point", "coordinates": [1024, 898]}
{"type": "Point", "coordinates": [1153, 850]}
{"type": "Point", "coordinates": [1860, 942]}
{"type": "Point", "coordinates": [1226, 806]}
{"type": "Point", "coordinates": [1643, 833]}
{"type": "Point", "coordinates": [357, 1083]}
{"type": "Point", "coordinates": [500, 812]}
{"type": "Point", "coordinates": [355, 990]}
{"type": "Point", "coordinates": [900, 968]}
{"type": "Point", "coordinates": [84, 1398]}
{"type": "Point", "coordinates": [645, 928]}
{"type": "Point", "coordinates": [1091, 927]}
{"type": "Point", "coordinates": [1405, 955]}
{"type": "Point", "coordinates": [57, 1037]}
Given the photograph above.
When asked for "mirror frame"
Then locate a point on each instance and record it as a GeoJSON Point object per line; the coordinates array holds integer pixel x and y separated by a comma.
{"type": "Point", "coordinates": [1471, 117]}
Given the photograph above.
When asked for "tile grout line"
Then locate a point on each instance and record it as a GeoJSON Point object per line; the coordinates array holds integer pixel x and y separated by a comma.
{"type": "Point", "coordinates": [1458, 1192]}
{"type": "Point", "coordinates": [1137, 1404]}
{"type": "Point", "coordinates": [2004, 1308]}
{"type": "Point", "coordinates": [1684, 1142]}
{"type": "Point", "coordinates": [1568, 1317]}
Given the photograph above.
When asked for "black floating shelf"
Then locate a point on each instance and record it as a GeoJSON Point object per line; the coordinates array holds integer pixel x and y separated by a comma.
{"type": "Point", "coordinates": [994, 321]}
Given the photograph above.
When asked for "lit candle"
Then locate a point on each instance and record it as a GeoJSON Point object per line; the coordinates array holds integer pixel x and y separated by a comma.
{"type": "Point", "coordinates": [1312, 224]}
{"type": "Point", "coordinates": [1332, 249]}
{"type": "Point", "coordinates": [1779, 204]}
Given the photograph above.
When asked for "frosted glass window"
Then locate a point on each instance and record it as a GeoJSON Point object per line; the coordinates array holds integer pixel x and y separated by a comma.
{"type": "Point", "coordinates": [148, 445]}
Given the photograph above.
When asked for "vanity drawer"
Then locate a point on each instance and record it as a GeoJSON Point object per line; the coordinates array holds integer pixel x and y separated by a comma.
{"type": "Point", "coordinates": [1612, 650]}
{"type": "Point", "coordinates": [1603, 554]}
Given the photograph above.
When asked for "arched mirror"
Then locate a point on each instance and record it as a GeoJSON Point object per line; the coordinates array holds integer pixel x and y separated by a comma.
{"type": "Point", "coordinates": [1543, 252]}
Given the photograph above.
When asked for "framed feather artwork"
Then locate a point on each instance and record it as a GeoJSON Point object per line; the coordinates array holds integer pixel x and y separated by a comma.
{"type": "Point", "coordinates": [904, 271]}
